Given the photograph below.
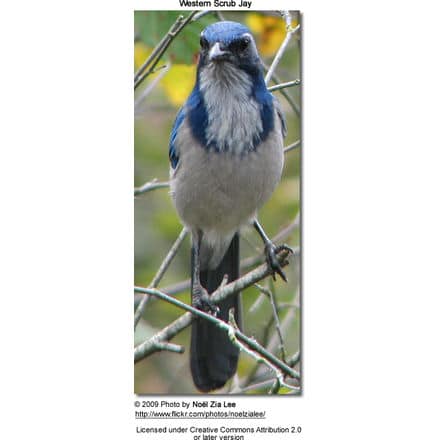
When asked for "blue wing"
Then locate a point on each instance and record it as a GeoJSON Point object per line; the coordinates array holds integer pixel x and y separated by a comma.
{"type": "Point", "coordinates": [173, 153]}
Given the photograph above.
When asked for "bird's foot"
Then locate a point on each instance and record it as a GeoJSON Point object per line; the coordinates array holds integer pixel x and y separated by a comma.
{"type": "Point", "coordinates": [202, 301]}
{"type": "Point", "coordinates": [271, 252]}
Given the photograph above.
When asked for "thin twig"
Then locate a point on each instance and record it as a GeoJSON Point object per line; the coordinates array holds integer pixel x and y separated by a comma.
{"type": "Point", "coordinates": [160, 49]}
{"type": "Point", "coordinates": [275, 79]}
{"type": "Point", "coordinates": [159, 274]}
{"type": "Point", "coordinates": [140, 99]}
{"type": "Point", "coordinates": [294, 359]}
{"type": "Point", "coordinates": [296, 82]}
{"type": "Point", "coordinates": [290, 147]}
{"type": "Point", "coordinates": [149, 186]}
{"type": "Point", "coordinates": [220, 15]}
{"type": "Point", "coordinates": [285, 325]}
{"type": "Point", "coordinates": [157, 49]}
{"type": "Point", "coordinates": [253, 354]}
{"type": "Point", "coordinates": [281, 50]}
{"type": "Point", "coordinates": [166, 346]}
{"type": "Point", "coordinates": [261, 385]}
{"type": "Point", "coordinates": [201, 14]}
{"type": "Point", "coordinates": [270, 295]}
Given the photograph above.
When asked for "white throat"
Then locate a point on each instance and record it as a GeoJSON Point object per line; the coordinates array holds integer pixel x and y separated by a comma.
{"type": "Point", "coordinates": [234, 119]}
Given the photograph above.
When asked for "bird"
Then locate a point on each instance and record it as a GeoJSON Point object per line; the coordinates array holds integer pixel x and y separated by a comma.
{"type": "Point", "coordinates": [226, 159]}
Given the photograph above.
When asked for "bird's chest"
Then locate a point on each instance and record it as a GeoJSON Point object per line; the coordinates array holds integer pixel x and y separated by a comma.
{"type": "Point", "coordinates": [235, 126]}
{"type": "Point", "coordinates": [223, 189]}
{"type": "Point", "coordinates": [233, 115]}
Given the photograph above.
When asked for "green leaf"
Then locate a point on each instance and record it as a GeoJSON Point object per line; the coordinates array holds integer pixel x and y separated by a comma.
{"type": "Point", "coordinates": [152, 26]}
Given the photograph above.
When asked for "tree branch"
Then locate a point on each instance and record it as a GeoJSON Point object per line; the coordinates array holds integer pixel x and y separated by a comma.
{"type": "Point", "coordinates": [159, 274]}
{"type": "Point", "coordinates": [218, 295]}
{"type": "Point", "coordinates": [296, 82]}
{"type": "Point", "coordinates": [290, 147]}
{"type": "Point", "coordinates": [245, 263]}
{"type": "Point", "coordinates": [150, 186]}
{"type": "Point", "coordinates": [294, 359]}
{"type": "Point", "coordinates": [174, 348]}
{"type": "Point", "coordinates": [256, 352]}
{"type": "Point", "coordinates": [275, 79]}
{"type": "Point", "coordinates": [270, 295]}
{"type": "Point", "coordinates": [268, 383]}
{"type": "Point", "coordinates": [283, 47]}
{"type": "Point", "coordinates": [148, 347]}
{"type": "Point", "coordinates": [160, 49]}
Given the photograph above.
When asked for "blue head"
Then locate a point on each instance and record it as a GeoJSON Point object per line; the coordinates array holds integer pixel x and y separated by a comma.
{"type": "Point", "coordinates": [232, 43]}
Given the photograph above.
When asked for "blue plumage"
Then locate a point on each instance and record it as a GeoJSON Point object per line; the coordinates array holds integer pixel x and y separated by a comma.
{"type": "Point", "coordinates": [172, 153]}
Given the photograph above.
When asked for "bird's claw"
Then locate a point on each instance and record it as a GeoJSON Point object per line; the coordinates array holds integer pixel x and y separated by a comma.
{"type": "Point", "coordinates": [202, 301]}
{"type": "Point", "coordinates": [271, 252]}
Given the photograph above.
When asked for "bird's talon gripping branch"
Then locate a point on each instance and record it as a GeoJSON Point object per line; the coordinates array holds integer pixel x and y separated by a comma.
{"type": "Point", "coordinates": [271, 252]}
{"type": "Point", "coordinates": [202, 301]}
{"type": "Point", "coordinates": [284, 247]}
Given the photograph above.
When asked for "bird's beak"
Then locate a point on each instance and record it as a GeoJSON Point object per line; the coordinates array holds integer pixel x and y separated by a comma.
{"type": "Point", "coordinates": [216, 53]}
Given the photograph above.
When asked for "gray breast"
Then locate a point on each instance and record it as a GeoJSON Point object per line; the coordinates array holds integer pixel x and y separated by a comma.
{"type": "Point", "coordinates": [222, 191]}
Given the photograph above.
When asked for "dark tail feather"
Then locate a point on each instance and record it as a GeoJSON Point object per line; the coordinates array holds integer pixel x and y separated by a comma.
{"type": "Point", "coordinates": [213, 356]}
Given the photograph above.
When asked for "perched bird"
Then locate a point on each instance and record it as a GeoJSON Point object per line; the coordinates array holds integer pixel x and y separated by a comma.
{"type": "Point", "coordinates": [226, 154]}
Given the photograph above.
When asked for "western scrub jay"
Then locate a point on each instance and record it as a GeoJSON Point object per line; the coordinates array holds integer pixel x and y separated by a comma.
{"type": "Point", "coordinates": [226, 154]}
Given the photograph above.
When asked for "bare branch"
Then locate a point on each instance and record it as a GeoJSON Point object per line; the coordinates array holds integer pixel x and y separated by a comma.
{"type": "Point", "coordinates": [253, 354]}
{"type": "Point", "coordinates": [275, 79]}
{"type": "Point", "coordinates": [268, 383]}
{"type": "Point", "coordinates": [281, 50]}
{"type": "Point", "coordinates": [139, 101]}
{"type": "Point", "coordinates": [290, 147]}
{"type": "Point", "coordinates": [160, 49]}
{"type": "Point", "coordinates": [270, 295]}
{"type": "Point", "coordinates": [162, 269]}
{"type": "Point", "coordinates": [218, 295]}
{"type": "Point", "coordinates": [148, 347]}
{"type": "Point", "coordinates": [220, 16]}
{"type": "Point", "coordinates": [296, 82]}
{"type": "Point", "coordinates": [150, 186]}
{"type": "Point", "coordinates": [174, 348]}
{"type": "Point", "coordinates": [285, 325]}
{"type": "Point", "coordinates": [245, 263]}
{"type": "Point", "coordinates": [294, 359]}
{"type": "Point", "coordinates": [201, 14]}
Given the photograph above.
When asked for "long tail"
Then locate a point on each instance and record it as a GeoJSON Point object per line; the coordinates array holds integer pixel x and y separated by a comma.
{"type": "Point", "coordinates": [213, 356]}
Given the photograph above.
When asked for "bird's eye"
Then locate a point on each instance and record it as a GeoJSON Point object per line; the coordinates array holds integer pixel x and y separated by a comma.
{"type": "Point", "coordinates": [241, 44]}
{"type": "Point", "coordinates": [244, 42]}
{"type": "Point", "coordinates": [204, 43]}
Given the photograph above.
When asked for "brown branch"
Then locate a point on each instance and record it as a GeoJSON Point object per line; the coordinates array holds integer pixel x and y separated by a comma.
{"type": "Point", "coordinates": [159, 274]}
